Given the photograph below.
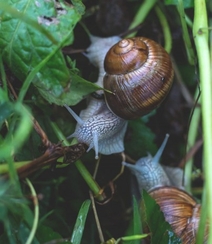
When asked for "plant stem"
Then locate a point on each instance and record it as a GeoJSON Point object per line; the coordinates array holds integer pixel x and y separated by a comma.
{"type": "Point", "coordinates": [186, 37]}
{"type": "Point", "coordinates": [3, 77]}
{"type": "Point", "coordinates": [166, 29]}
{"type": "Point", "coordinates": [13, 176]}
{"type": "Point", "coordinates": [11, 145]}
{"type": "Point", "coordinates": [143, 11]}
{"type": "Point", "coordinates": [36, 217]}
{"type": "Point", "coordinates": [4, 168]}
{"type": "Point", "coordinates": [200, 33]}
{"type": "Point", "coordinates": [59, 133]}
{"type": "Point", "coordinates": [203, 219]}
{"type": "Point", "coordinates": [192, 135]}
{"type": "Point", "coordinates": [188, 21]}
{"type": "Point", "coordinates": [94, 187]}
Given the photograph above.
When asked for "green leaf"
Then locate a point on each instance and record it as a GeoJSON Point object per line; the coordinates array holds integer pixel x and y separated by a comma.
{"type": "Point", "coordinates": [19, 128]}
{"type": "Point", "coordinates": [32, 35]}
{"type": "Point", "coordinates": [24, 47]}
{"type": "Point", "coordinates": [46, 234]}
{"type": "Point", "coordinates": [135, 227]}
{"type": "Point", "coordinates": [161, 231]}
{"type": "Point", "coordinates": [80, 223]}
{"type": "Point", "coordinates": [23, 234]}
{"type": "Point", "coordinates": [78, 90]}
{"type": "Point", "coordinates": [139, 140]}
{"type": "Point", "coordinates": [5, 110]}
{"type": "Point", "coordinates": [16, 215]}
{"type": "Point", "coordinates": [186, 3]}
{"type": "Point", "coordinates": [79, 6]}
{"type": "Point", "coordinates": [3, 96]}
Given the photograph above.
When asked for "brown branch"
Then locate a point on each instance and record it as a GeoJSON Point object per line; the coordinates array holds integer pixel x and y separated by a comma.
{"type": "Point", "coordinates": [190, 153]}
{"type": "Point", "coordinates": [46, 142]}
{"type": "Point", "coordinates": [50, 156]}
{"type": "Point", "coordinates": [53, 151]}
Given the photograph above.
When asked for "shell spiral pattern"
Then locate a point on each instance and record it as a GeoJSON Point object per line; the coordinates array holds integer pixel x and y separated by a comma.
{"type": "Point", "coordinates": [139, 74]}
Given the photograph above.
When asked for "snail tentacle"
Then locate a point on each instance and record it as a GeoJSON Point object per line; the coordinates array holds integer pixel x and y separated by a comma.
{"type": "Point", "coordinates": [156, 158]}
{"type": "Point", "coordinates": [76, 117]}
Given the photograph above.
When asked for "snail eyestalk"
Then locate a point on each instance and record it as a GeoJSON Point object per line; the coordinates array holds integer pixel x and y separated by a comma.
{"type": "Point", "coordinates": [157, 156]}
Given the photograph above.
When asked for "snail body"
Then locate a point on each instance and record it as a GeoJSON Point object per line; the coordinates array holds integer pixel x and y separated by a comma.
{"type": "Point", "coordinates": [139, 74]}
{"type": "Point", "coordinates": [99, 128]}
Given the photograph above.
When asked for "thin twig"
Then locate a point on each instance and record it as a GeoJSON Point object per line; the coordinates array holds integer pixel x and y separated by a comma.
{"type": "Point", "coordinates": [123, 156]}
{"type": "Point", "coordinates": [101, 237]}
{"type": "Point", "coordinates": [186, 94]}
{"type": "Point", "coordinates": [190, 153]}
{"type": "Point", "coordinates": [46, 142]}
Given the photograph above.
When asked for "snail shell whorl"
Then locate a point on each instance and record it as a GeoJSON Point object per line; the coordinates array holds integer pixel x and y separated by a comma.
{"type": "Point", "coordinates": [139, 74]}
{"type": "Point", "coordinates": [181, 211]}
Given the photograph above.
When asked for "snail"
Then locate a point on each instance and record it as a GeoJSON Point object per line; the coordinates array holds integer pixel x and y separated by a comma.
{"type": "Point", "coordinates": [139, 73]}
{"type": "Point", "coordinates": [150, 173]}
{"type": "Point", "coordinates": [180, 209]}
{"type": "Point", "coordinates": [106, 122]}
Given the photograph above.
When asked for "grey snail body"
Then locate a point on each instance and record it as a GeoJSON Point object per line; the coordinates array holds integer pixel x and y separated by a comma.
{"type": "Point", "coordinates": [99, 128]}
{"type": "Point", "coordinates": [99, 54]}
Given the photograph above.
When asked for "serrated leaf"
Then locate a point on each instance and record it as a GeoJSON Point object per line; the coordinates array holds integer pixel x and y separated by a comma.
{"type": "Point", "coordinates": [161, 231]}
{"type": "Point", "coordinates": [25, 45]}
{"type": "Point", "coordinates": [78, 90]}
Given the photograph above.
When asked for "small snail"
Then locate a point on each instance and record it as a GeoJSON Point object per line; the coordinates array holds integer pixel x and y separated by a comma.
{"type": "Point", "coordinates": [144, 62]}
{"type": "Point", "coordinates": [150, 173]}
{"type": "Point", "coordinates": [180, 210]}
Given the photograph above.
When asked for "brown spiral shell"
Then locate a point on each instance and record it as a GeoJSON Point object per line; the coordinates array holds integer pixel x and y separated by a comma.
{"type": "Point", "coordinates": [139, 74]}
{"type": "Point", "coordinates": [181, 211]}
